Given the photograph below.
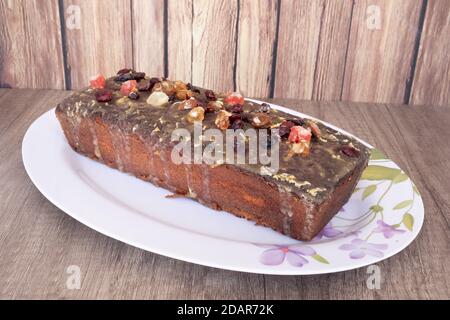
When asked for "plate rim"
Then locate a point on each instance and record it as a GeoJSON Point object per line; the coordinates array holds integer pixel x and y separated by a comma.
{"type": "Point", "coordinates": [258, 268]}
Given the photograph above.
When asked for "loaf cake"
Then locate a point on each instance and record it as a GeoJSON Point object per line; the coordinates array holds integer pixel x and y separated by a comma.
{"type": "Point", "coordinates": [127, 122]}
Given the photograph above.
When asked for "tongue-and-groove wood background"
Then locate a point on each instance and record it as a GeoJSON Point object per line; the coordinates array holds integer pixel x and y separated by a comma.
{"type": "Point", "coordinates": [309, 49]}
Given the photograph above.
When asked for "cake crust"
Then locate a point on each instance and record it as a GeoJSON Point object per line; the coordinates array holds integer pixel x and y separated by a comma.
{"type": "Point", "coordinates": [132, 136]}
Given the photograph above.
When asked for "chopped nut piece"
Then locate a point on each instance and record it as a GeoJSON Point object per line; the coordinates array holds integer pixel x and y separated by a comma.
{"type": "Point", "coordinates": [180, 85]}
{"type": "Point", "coordinates": [183, 94]}
{"type": "Point", "coordinates": [261, 120]}
{"type": "Point", "coordinates": [188, 104]}
{"type": "Point", "coordinates": [223, 120]}
{"type": "Point", "coordinates": [158, 99]}
{"type": "Point", "coordinates": [213, 106]}
{"type": "Point", "coordinates": [196, 114]}
{"type": "Point", "coordinates": [314, 129]}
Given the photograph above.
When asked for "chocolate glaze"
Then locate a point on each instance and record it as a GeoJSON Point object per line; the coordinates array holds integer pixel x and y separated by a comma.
{"type": "Point", "coordinates": [310, 177]}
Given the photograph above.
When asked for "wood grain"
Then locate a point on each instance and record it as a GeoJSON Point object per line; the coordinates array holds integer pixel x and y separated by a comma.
{"type": "Point", "coordinates": [179, 39]}
{"type": "Point", "coordinates": [103, 43]}
{"type": "Point", "coordinates": [214, 43]}
{"type": "Point", "coordinates": [379, 61]}
{"type": "Point", "coordinates": [298, 41]}
{"type": "Point", "coordinates": [256, 41]}
{"type": "Point", "coordinates": [148, 36]}
{"type": "Point", "coordinates": [38, 241]}
{"type": "Point", "coordinates": [332, 51]}
{"type": "Point", "coordinates": [432, 76]}
{"type": "Point", "coordinates": [30, 45]}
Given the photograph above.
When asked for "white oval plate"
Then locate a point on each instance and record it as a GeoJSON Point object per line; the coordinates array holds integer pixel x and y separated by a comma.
{"type": "Point", "coordinates": [383, 216]}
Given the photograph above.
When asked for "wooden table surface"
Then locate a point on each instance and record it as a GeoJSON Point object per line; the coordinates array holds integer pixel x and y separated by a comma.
{"type": "Point", "coordinates": [38, 242]}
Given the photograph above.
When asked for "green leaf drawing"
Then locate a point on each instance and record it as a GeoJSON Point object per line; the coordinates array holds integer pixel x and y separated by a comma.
{"type": "Point", "coordinates": [377, 155]}
{"type": "Point", "coordinates": [356, 190]}
{"type": "Point", "coordinates": [369, 190]}
{"type": "Point", "coordinates": [416, 190]}
{"type": "Point", "coordinates": [319, 258]}
{"type": "Point", "coordinates": [400, 178]}
{"type": "Point", "coordinates": [403, 204]}
{"type": "Point", "coordinates": [408, 221]}
{"type": "Point", "coordinates": [396, 225]}
{"type": "Point", "coordinates": [374, 172]}
{"type": "Point", "coordinates": [376, 208]}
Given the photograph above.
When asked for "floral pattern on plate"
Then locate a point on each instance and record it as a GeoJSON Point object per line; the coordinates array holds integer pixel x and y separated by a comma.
{"type": "Point", "coordinates": [382, 220]}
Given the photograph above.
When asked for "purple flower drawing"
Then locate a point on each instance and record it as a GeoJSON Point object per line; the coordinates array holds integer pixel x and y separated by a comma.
{"type": "Point", "coordinates": [387, 230]}
{"type": "Point", "coordinates": [328, 232]}
{"type": "Point", "coordinates": [359, 249]}
{"type": "Point", "coordinates": [294, 254]}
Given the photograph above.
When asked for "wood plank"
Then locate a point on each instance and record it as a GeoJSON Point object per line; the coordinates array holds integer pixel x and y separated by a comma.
{"type": "Point", "coordinates": [179, 40]}
{"type": "Point", "coordinates": [103, 43]}
{"type": "Point", "coordinates": [38, 239]}
{"type": "Point", "coordinates": [30, 45]}
{"type": "Point", "coordinates": [298, 41]}
{"type": "Point", "coordinates": [256, 41]}
{"type": "Point", "coordinates": [420, 271]}
{"type": "Point", "coordinates": [379, 60]}
{"type": "Point", "coordinates": [332, 51]}
{"type": "Point", "coordinates": [432, 74]}
{"type": "Point", "coordinates": [148, 36]}
{"type": "Point", "coordinates": [214, 43]}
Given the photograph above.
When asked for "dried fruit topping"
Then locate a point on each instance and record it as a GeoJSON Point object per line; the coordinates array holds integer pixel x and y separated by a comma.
{"type": "Point", "coordinates": [167, 87]}
{"type": "Point", "coordinates": [98, 82]}
{"type": "Point", "coordinates": [144, 85]}
{"type": "Point", "coordinates": [127, 87]}
{"type": "Point", "coordinates": [134, 95]}
{"type": "Point", "coordinates": [261, 120]}
{"type": "Point", "coordinates": [103, 96]}
{"type": "Point", "coordinates": [158, 99]}
{"type": "Point", "coordinates": [301, 147]}
{"type": "Point", "coordinates": [214, 106]}
{"type": "Point", "coordinates": [237, 108]}
{"type": "Point", "coordinates": [298, 134]}
{"type": "Point", "coordinates": [123, 71]}
{"type": "Point", "coordinates": [237, 124]}
{"type": "Point", "coordinates": [298, 121]}
{"type": "Point", "coordinates": [234, 98]}
{"type": "Point", "coordinates": [210, 95]}
{"type": "Point", "coordinates": [264, 108]}
{"type": "Point", "coordinates": [285, 128]}
{"type": "Point", "coordinates": [180, 85]}
{"type": "Point", "coordinates": [196, 114]}
{"type": "Point", "coordinates": [314, 129]}
{"type": "Point", "coordinates": [350, 151]}
{"type": "Point", "coordinates": [235, 116]}
{"type": "Point", "coordinates": [223, 120]}
{"type": "Point", "coordinates": [130, 75]}
{"type": "Point", "coordinates": [188, 104]}
{"type": "Point", "coordinates": [183, 94]}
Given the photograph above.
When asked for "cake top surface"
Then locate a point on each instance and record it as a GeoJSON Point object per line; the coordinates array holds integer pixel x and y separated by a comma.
{"type": "Point", "coordinates": [312, 157]}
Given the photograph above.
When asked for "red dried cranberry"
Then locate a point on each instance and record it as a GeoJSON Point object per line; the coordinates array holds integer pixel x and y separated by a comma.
{"type": "Point", "coordinates": [350, 151]}
{"type": "Point", "coordinates": [237, 108]}
{"type": "Point", "coordinates": [235, 117]}
{"type": "Point", "coordinates": [264, 108]}
{"type": "Point", "coordinates": [133, 95]}
{"type": "Point", "coordinates": [237, 124]}
{"type": "Point", "coordinates": [298, 121]}
{"type": "Point", "coordinates": [285, 128]}
{"type": "Point", "coordinates": [103, 96]}
{"type": "Point", "coordinates": [210, 95]}
{"type": "Point", "coordinates": [123, 71]}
